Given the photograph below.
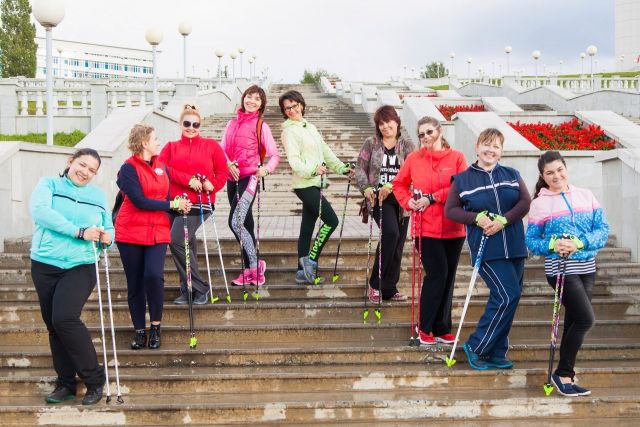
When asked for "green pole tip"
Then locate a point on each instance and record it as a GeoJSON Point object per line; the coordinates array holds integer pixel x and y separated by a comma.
{"type": "Point", "coordinates": [257, 296]}
{"type": "Point", "coordinates": [548, 389]}
{"type": "Point", "coordinates": [449, 362]}
{"type": "Point", "coordinates": [193, 342]}
{"type": "Point", "coordinates": [229, 299]}
{"type": "Point", "coordinates": [214, 299]}
{"type": "Point", "coordinates": [378, 315]}
{"type": "Point", "coordinates": [316, 280]}
{"type": "Point", "coordinates": [335, 278]}
{"type": "Point", "coordinates": [245, 296]}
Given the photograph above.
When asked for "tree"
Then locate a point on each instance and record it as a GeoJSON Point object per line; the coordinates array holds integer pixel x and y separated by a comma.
{"type": "Point", "coordinates": [435, 70]}
{"type": "Point", "coordinates": [314, 77]}
{"type": "Point", "coordinates": [17, 39]}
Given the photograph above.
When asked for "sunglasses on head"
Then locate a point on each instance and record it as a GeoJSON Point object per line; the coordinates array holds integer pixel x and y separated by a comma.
{"type": "Point", "coordinates": [427, 133]}
{"type": "Point", "coordinates": [190, 107]}
{"type": "Point", "coordinates": [188, 124]}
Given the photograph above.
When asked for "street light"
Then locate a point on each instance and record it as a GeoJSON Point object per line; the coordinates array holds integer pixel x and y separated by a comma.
{"type": "Point", "coordinates": [49, 13]}
{"type": "Point", "coordinates": [469, 69]}
{"type": "Point", "coordinates": [592, 51]}
{"type": "Point", "coordinates": [493, 68]}
{"type": "Point", "coordinates": [582, 56]}
{"type": "Point", "coordinates": [233, 56]}
{"type": "Point", "coordinates": [219, 53]}
{"type": "Point", "coordinates": [621, 62]}
{"type": "Point", "coordinates": [154, 37]}
{"type": "Point", "coordinates": [185, 29]}
{"type": "Point", "coordinates": [508, 49]}
{"type": "Point", "coordinates": [452, 56]}
{"type": "Point", "coordinates": [536, 55]}
{"type": "Point", "coordinates": [561, 62]}
{"type": "Point", "coordinates": [255, 62]}
{"type": "Point", "coordinates": [250, 68]}
{"type": "Point", "coordinates": [405, 71]}
{"type": "Point", "coordinates": [241, 51]}
{"type": "Point", "coordinates": [437, 70]}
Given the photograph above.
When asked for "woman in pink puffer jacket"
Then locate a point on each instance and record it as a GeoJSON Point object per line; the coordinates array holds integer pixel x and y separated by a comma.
{"type": "Point", "coordinates": [245, 159]}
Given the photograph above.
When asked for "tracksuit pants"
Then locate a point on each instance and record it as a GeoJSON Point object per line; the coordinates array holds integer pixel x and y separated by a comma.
{"type": "Point", "coordinates": [177, 250]}
{"type": "Point", "coordinates": [504, 277]}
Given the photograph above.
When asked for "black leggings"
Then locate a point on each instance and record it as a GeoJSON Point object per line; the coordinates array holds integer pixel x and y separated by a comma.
{"type": "Point", "coordinates": [440, 260]}
{"type": "Point", "coordinates": [578, 318]}
{"type": "Point", "coordinates": [144, 267]}
{"type": "Point", "coordinates": [310, 198]}
{"type": "Point", "coordinates": [232, 189]}
{"type": "Point", "coordinates": [394, 233]}
{"type": "Point", "coordinates": [62, 294]}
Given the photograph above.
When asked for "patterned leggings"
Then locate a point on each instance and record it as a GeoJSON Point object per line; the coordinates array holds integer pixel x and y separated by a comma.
{"type": "Point", "coordinates": [241, 217]}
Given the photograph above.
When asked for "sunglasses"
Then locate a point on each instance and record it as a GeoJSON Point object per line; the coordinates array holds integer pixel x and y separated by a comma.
{"type": "Point", "coordinates": [188, 124]}
{"type": "Point", "coordinates": [427, 133]}
{"type": "Point", "coordinates": [291, 107]}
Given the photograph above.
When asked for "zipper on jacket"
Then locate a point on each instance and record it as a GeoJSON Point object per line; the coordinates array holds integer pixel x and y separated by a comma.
{"type": "Point", "coordinates": [495, 193]}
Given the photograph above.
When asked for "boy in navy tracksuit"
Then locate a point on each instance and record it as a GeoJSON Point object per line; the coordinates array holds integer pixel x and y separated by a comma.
{"type": "Point", "coordinates": [492, 199]}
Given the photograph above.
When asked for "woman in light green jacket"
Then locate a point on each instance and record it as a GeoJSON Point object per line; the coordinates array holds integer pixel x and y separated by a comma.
{"type": "Point", "coordinates": [310, 158]}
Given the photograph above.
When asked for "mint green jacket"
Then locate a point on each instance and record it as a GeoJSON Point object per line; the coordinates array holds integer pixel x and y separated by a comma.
{"type": "Point", "coordinates": [306, 150]}
{"type": "Point", "coordinates": [59, 208]}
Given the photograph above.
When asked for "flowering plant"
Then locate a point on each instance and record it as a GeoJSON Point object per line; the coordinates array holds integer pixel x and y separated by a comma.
{"type": "Point", "coordinates": [449, 110]}
{"type": "Point", "coordinates": [571, 135]}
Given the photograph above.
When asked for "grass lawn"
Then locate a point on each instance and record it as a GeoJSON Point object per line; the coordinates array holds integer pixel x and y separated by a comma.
{"type": "Point", "coordinates": [441, 87]}
{"type": "Point", "coordinates": [60, 138]}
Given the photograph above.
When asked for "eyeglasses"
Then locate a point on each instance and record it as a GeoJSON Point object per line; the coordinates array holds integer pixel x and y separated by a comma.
{"type": "Point", "coordinates": [427, 133]}
{"type": "Point", "coordinates": [291, 107]}
{"type": "Point", "coordinates": [188, 124]}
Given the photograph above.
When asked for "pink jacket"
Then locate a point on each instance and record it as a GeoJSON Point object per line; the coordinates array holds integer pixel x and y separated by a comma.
{"type": "Point", "coordinates": [240, 143]}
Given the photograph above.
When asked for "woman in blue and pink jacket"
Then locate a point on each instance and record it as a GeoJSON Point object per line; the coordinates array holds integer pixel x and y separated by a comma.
{"type": "Point", "coordinates": [247, 142]}
{"type": "Point", "coordinates": [567, 223]}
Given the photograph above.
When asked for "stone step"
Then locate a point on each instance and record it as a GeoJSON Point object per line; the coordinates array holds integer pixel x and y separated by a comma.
{"type": "Point", "coordinates": [353, 406]}
{"type": "Point", "coordinates": [368, 353]}
{"type": "Point", "coordinates": [135, 382]}
{"type": "Point", "coordinates": [312, 332]}
{"type": "Point", "coordinates": [307, 310]}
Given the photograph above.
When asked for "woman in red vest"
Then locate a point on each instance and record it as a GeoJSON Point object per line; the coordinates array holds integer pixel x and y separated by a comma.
{"type": "Point", "coordinates": [143, 231]}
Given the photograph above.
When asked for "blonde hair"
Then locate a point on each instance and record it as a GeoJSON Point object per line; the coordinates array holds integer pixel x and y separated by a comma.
{"type": "Point", "coordinates": [139, 133]}
{"type": "Point", "coordinates": [489, 135]}
{"type": "Point", "coordinates": [190, 110]}
{"type": "Point", "coordinates": [436, 124]}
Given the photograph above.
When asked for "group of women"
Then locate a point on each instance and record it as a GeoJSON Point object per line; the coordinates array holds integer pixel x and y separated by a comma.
{"type": "Point", "coordinates": [162, 193]}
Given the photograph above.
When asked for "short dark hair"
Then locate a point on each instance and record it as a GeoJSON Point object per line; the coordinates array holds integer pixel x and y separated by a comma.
{"type": "Point", "coordinates": [263, 97]}
{"type": "Point", "coordinates": [294, 96]}
{"type": "Point", "coordinates": [385, 114]}
{"type": "Point", "coordinates": [83, 152]}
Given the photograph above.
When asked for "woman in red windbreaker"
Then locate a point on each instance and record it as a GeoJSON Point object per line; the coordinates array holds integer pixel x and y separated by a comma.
{"type": "Point", "coordinates": [195, 165]}
{"type": "Point", "coordinates": [429, 171]}
{"type": "Point", "coordinates": [142, 231]}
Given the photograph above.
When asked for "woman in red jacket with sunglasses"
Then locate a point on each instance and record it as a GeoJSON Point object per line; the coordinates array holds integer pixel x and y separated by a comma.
{"type": "Point", "coordinates": [195, 165]}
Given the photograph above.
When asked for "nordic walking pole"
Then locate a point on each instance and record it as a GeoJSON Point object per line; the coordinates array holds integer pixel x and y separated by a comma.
{"type": "Point", "coordinates": [113, 333]}
{"type": "Point", "coordinates": [245, 294]}
{"type": "Point", "coordinates": [412, 340]}
{"type": "Point", "coordinates": [417, 195]}
{"type": "Point", "coordinates": [257, 295]}
{"type": "Point", "coordinates": [474, 275]}
{"type": "Point", "coordinates": [104, 344]}
{"type": "Point", "coordinates": [215, 231]}
{"type": "Point", "coordinates": [557, 305]}
{"type": "Point", "coordinates": [378, 310]}
{"type": "Point", "coordinates": [316, 279]}
{"type": "Point", "coordinates": [365, 313]}
{"type": "Point", "coordinates": [193, 341]}
{"type": "Point", "coordinates": [206, 249]}
{"type": "Point", "coordinates": [336, 276]}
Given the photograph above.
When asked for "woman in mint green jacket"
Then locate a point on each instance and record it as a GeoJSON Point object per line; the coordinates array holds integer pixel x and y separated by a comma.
{"type": "Point", "coordinates": [310, 158]}
{"type": "Point", "coordinates": [70, 215]}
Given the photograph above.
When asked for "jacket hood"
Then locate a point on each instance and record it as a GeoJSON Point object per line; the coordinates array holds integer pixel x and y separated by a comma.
{"type": "Point", "coordinates": [435, 155]}
{"type": "Point", "coordinates": [243, 116]}
{"type": "Point", "coordinates": [546, 192]}
{"type": "Point", "coordinates": [294, 123]}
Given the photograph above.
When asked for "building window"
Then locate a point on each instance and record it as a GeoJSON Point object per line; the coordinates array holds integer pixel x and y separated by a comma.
{"type": "Point", "coordinates": [56, 59]}
{"type": "Point", "coordinates": [86, 64]}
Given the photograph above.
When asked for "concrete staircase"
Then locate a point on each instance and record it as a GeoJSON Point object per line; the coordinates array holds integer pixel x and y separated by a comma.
{"type": "Point", "coordinates": [302, 355]}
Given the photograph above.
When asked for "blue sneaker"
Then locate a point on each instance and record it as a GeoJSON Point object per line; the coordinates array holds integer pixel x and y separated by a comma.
{"type": "Point", "coordinates": [581, 390]}
{"type": "Point", "coordinates": [474, 360]}
{"type": "Point", "coordinates": [499, 362]}
{"type": "Point", "coordinates": [563, 389]}
{"type": "Point", "coordinates": [309, 268]}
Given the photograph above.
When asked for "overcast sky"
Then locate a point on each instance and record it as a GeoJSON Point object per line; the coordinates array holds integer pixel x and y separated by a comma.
{"type": "Point", "coordinates": [366, 40]}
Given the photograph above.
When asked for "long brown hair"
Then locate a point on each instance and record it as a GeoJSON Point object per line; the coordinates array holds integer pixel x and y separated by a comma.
{"type": "Point", "coordinates": [436, 124]}
{"type": "Point", "coordinates": [546, 158]}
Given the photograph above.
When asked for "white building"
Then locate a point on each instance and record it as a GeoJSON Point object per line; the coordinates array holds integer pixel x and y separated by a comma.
{"type": "Point", "coordinates": [93, 61]}
{"type": "Point", "coordinates": [627, 35]}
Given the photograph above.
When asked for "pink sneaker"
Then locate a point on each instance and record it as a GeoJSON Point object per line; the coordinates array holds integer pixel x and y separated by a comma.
{"type": "Point", "coordinates": [259, 274]}
{"type": "Point", "coordinates": [238, 280]}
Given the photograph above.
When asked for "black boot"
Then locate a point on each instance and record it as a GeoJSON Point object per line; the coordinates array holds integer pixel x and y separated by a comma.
{"type": "Point", "coordinates": [93, 396]}
{"type": "Point", "coordinates": [61, 394]}
{"type": "Point", "coordinates": [139, 340]}
{"type": "Point", "coordinates": [154, 337]}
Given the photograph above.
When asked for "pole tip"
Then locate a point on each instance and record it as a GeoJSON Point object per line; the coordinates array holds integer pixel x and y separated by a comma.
{"type": "Point", "coordinates": [449, 362]}
{"type": "Point", "coordinates": [548, 389]}
{"type": "Point", "coordinates": [335, 278]}
{"type": "Point", "coordinates": [193, 342]}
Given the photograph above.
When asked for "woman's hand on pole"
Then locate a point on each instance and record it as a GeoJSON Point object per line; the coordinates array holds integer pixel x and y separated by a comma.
{"type": "Point", "coordinates": [92, 233]}
{"type": "Point", "coordinates": [195, 184]}
{"type": "Point", "coordinates": [207, 185]}
{"type": "Point", "coordinates": [105, 237]}
{"type": "Point", "coordinates": [492, 227]}
{"type": "Point", "coordinates": [383, 193]}
{"type": "Point", "coordinates": [262, 172]}
{"type": "Point", "coordinates": [234, 171]}
{"type": "Point", "coordinates": [321, 170]}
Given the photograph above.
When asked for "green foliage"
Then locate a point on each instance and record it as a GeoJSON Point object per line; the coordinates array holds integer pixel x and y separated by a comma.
{"type": "Point", "coordinates": [60, 138]}
{"type": "Point", "coordinates": [314, 76]}
{"type": "Point", "coordinates": [435, 70]}
{"type": "Point", "coordinates": [17, 39]}
{"type": "Point", "coordinates": [441, 87]}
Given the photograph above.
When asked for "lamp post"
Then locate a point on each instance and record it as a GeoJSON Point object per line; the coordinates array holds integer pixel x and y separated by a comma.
{"type": "Point", "coordinates": [582, 56]}
{"type": "Point", "coordinates": [493, 68]}
{"type": "Point", "coordinates": [233, 56]}
{"type": "Point", "coordinates": [592, 51]}
{"type": "Point", "coordinates": [535, 55]}
{"type": "Point", "coordinates": [560, 62]}
{"type": "Point", "coordinates": [49, 14]}
{"type": "Point", "coordinates": [219, 53]}
{"type": "Point", "coordinates": [508, 49]}
{"type": "Point", "coordinates": [621, 62]}
{"type": "Point", "coordinates": [469, 69]}
{"type": "Point", "coordinates": [185, 29]}
{"type": "Point", "coordinates": [255, 62]}
{"type": "Point", "coordinates": [404, 75]}
{"type": "Point", "coordinates": [452, 56]}
{"type": "Point", "coordinates": [250, 68]}
{"type": "Point", "coordinates": [413, 72]}
{"type": "Point", "coordinates": [154, 37]}
{"type": "Point", "coordinates": [241, 51]}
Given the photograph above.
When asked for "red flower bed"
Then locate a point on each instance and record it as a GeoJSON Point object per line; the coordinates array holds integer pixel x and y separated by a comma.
{"type": "Point", "coordinates": [571, 135]}
{"type": "Point", "coordinates": [449, 110]}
